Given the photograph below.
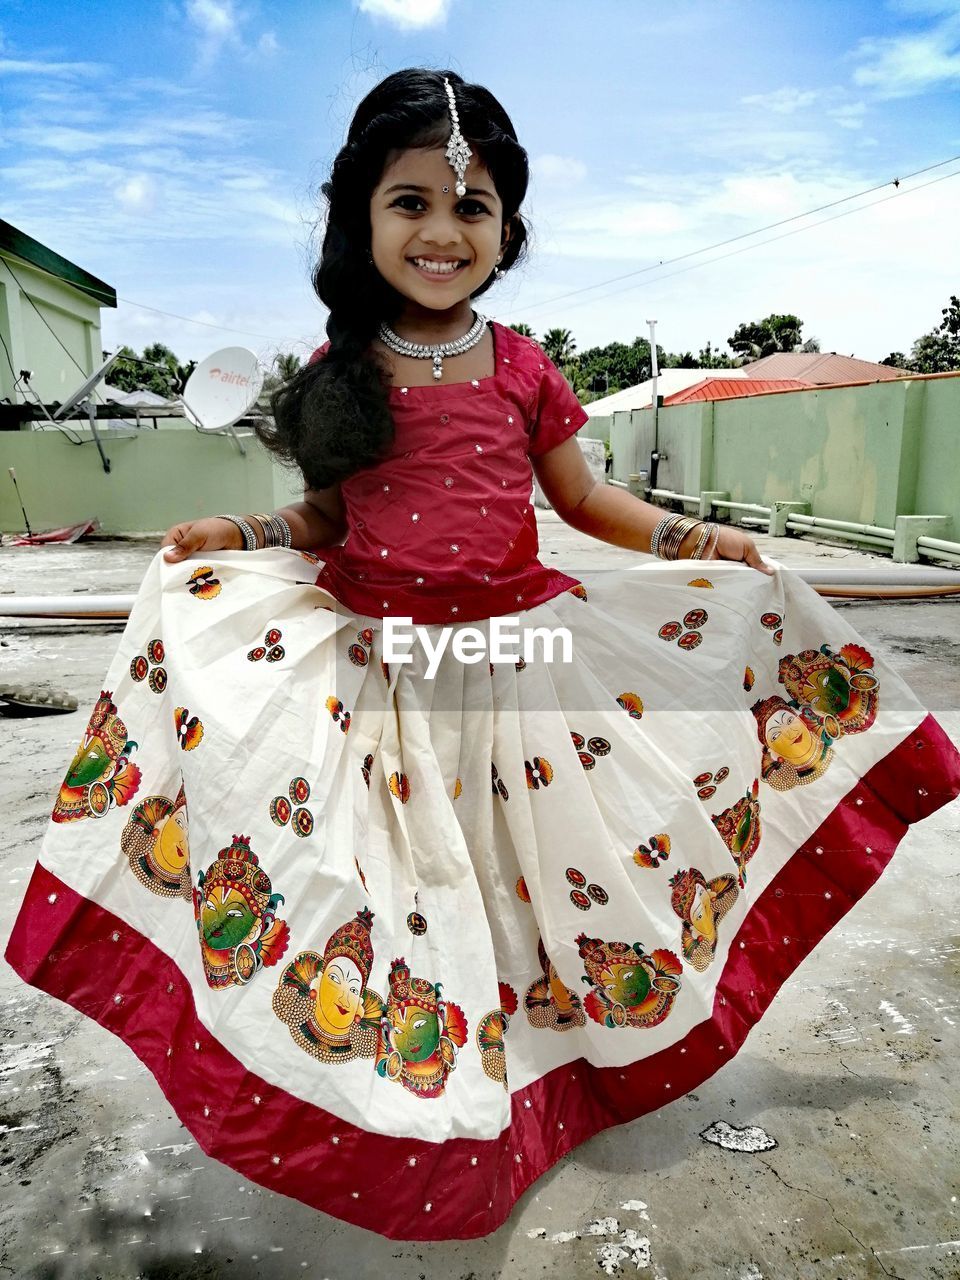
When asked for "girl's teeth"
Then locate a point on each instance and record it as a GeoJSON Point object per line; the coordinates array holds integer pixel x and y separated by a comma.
{"type": "Point", "coordinates": [437, 267]}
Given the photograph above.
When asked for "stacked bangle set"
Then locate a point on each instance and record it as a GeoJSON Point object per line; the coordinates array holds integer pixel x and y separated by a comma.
{"type": "Point", "coordinates": [274, 531]}
{"type": "Point", "coordinates": [665, 541]}
{"type": "Point", "coordinates": [670, 532]}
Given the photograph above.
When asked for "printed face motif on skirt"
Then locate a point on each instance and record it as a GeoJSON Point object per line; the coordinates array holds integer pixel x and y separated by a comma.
{"type": "Point", "coordinates": [491, 1032]}
{"type": "Point", "coordinates": [832, 695]}
{"type": "Point", "coordinates": [701, 904]}
{"type": "Point", "coordinates": [740, 828]}
{"type": "Point", "coordinates": [100, 775]}
{"type": "Point", "coordinates": [235, 910]}
{"type": "Point", "coordinates": [325, 1001]}
{"type": "Point", "coordinates": [628, 988]}
{"type": "Point", "coordinates": [550, 1005]}
{"type": "Point", "coordinates": [420, 1034]}
{"type": "Point", "coordinates": [157, 845]}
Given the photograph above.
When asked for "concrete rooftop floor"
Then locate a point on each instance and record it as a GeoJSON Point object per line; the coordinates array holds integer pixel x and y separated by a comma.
{"type": "Point", "coordinates": [852, 1070]}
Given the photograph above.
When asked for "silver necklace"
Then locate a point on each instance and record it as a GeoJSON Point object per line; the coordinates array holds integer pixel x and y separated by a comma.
{"type": "Point", "coordinates": [435, 350]}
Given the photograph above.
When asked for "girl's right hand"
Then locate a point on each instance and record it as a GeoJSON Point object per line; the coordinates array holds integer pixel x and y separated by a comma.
{"type": "Point", "coordinates": [209, 534]}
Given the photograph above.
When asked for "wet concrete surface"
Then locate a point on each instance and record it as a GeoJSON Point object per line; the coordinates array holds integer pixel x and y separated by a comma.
{"type": "Point", "coordinates": [852, 1071]}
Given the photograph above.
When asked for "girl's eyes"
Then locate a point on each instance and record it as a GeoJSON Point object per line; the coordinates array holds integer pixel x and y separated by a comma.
{"type": "Point", "coordinates": [477, 207]}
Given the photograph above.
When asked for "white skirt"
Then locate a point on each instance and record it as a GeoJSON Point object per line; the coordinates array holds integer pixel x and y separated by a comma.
{"type": "Point", "coordinates": [393, 937]}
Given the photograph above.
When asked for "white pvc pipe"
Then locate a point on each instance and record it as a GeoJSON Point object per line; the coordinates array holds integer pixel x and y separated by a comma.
{"type": "Point", "coordinates": [73, 606]}
{"type": "Point", "coordinates": [118, 606]}
{"type": "Point", "coordinates": [825, 522]}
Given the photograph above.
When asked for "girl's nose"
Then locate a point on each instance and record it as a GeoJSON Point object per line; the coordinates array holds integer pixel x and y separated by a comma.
{"type": "Point", "coordinates": [441, 231]}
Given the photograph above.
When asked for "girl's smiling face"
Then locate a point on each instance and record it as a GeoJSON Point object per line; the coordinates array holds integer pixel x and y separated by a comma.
{"type": "Point", "coordinates": [411, 217]}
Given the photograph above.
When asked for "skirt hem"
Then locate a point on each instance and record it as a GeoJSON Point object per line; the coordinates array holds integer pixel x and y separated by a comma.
{"type": "Point", "coordinates": [462, 1188]}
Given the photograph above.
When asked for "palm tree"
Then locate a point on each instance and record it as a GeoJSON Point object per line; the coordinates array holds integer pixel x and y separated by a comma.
{"type": "Point", "coordinates": [559, 345]}
{"type": "Point", "coordinates": [285, 365]}
{"type": "Point", "coordinates": [524, 330]}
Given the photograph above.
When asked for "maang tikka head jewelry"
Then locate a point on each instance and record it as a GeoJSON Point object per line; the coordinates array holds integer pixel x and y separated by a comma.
{"type": "Point", "coordinates": [458, 153]}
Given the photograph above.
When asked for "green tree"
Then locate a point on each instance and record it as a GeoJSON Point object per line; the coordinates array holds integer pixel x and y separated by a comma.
{"type": "Point", "coordinates": [711, 359]}
{"type": "Point", "coordinates": [126, 371]}
{"type": "Point", "coordinates": [896, 360]}
{"type": "Point", "coordinates": [935, 352]}
{"type": "Point", "coordinates": [524, 330]}
{"type": "Point", "coordinates": [951, 317]}
{"type": "Point", "coordinates": [939, 350]}
{"type": "Point", "coordinates": [157, 370]}
{"type": "Point", "coordinates": [285, 365]}
{"type": "Point", "coordinates": [559, 345]}
{"type": "Point", "coordinates": [758, 338]}
{"type": "Point", "coordinates": [618, 365]}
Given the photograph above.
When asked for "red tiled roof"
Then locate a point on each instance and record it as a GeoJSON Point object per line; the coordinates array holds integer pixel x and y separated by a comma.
{"type": "Point", "coordinates": [820, 368]}
{"type": "Point", "coordinates": [732, 388]}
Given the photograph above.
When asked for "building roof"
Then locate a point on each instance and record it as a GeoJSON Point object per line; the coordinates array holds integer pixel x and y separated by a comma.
{"type": "Point", "coordinates": [669, 383]}
{"type": "Point", "coordinates": [819, 368]}
{"type": "Point", "coordinates": [18, 244]}
{"type": "Point", "coordinates": [732, 388]}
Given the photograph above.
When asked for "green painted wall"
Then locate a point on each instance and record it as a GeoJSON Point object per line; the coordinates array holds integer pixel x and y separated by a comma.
{"type": "Point", "coordinates": [26, 294]}
{"type": "Point", "coordinates": [863, 453]}
{"type": "Point", "coordinates": [157, 479]}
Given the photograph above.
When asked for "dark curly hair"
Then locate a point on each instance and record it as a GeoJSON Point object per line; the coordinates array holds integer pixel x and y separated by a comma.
{"type": "Point", "coordinates": [332, 417]}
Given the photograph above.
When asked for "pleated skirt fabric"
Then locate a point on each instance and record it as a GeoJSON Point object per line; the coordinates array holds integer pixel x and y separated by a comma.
{"type": "Point", "coordinates": [394, 936]}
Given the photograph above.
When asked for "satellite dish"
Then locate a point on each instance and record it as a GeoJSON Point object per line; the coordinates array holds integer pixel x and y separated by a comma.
{"type": "Point", "coordinates": [222, 388]}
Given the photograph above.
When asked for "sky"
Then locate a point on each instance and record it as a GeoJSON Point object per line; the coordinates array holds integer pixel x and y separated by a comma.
{"type": "Point", "coordinates": [176, 149]}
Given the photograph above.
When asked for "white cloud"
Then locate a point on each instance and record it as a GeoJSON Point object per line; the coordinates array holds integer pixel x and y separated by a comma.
{"type": "Point", "coordinates": [412, 15]}
{"type": "Point", "coordinates": [783, 102]}
{"type": "Point", "coordinates": [562, 169]}
{"type": "Point", "coordinates": [41, 67]}
{"type": "Point", "coordinates": [902, 65]}
{"type": "Point", "coordinates": [214, 18]}
{"type": "Point", "coordinates": [220, 26]}
{"type": "Point", "coordinates": [828, 273]}
{"type": "Point", "coordinates": [850, 115]}
{"type": "Point", "coordinates": [137, 194]}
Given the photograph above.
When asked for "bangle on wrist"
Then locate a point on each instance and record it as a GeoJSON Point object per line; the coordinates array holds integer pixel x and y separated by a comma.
{"type": "Point", "coordinates": [249, 536]}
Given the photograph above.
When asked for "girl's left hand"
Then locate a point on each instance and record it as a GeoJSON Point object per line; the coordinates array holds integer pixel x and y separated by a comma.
{"type": "Point", "coordinates": [732, 544]}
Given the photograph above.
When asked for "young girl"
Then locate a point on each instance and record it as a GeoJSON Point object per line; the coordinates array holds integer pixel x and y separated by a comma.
{"type": "Point", "coordinates": [437, 917]}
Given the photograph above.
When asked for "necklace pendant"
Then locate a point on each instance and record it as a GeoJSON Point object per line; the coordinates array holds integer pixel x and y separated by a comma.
{"type": "Point", "coordinates": [438, 366]}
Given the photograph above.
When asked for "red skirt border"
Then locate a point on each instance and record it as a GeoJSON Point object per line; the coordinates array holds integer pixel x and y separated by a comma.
{"type": "Point", "coordinates": [463, 1188]}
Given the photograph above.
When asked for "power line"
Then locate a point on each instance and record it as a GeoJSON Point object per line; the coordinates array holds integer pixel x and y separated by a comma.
{"type": "Point", "coordinates": [44, 319]}
{"type": "Point", "coordinates": [695, 266]}
{"type": "Point", "coordinates": [746, 235]}
{"type": "Point", "coordinates": [246, 333]}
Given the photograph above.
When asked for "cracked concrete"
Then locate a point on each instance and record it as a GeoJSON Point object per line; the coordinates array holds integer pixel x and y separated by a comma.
{"type": "Point", "coordinates": [851, 1071]}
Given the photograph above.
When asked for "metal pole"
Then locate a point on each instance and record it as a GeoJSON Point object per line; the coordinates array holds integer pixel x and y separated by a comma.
{"type": "Point", "coordinates": [654, 374]}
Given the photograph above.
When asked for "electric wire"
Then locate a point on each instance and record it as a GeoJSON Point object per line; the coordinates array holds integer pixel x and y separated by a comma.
{"type": "Point", "coordinates": [771, 226]}
{"type": "Point", "coordinates": [720, 257]}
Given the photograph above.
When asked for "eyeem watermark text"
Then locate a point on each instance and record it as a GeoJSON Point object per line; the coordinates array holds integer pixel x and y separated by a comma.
{"type": "Point", "coordinates": [507, 642]}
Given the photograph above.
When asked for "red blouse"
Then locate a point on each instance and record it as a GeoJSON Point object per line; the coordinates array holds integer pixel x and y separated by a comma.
{"type": "Point", "coordinates": [443, 528]}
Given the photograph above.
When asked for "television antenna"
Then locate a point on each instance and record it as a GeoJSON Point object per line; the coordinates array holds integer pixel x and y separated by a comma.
{"type": "Point", "coordinates": [221, 390]}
